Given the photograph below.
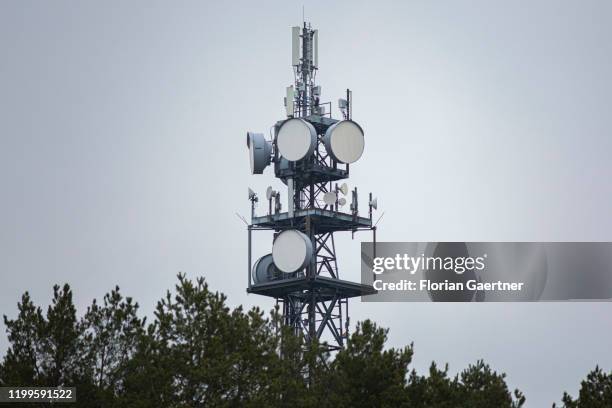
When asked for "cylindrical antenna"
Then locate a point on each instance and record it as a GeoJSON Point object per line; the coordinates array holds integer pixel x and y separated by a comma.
{"type": "Point", "coordinates": [290, 196]}
{"type": "Point", "coordinates": [349, 103]}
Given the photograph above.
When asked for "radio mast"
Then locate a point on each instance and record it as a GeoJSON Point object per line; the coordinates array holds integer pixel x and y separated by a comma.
{"type": "Point", "coordinates": [311, 152]}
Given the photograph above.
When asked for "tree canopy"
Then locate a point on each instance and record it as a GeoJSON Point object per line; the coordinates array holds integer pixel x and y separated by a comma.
{"type": "Point", "coordinates": [199, 352]}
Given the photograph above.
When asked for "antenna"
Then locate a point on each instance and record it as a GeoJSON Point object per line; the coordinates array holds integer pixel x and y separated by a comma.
{"type": "Point", "coordinates": [372, 204]}
{"type": "Point", "coordinates": [344, 189]}
{"type": "Point", "coordinates": [265, 271]}
{"type": "Point", "coordinates": [270, 193]}
{"type": "Point", "coordinates": [349, 104]}
{"type": "Point", "coordinates": [242, 219]}
{"type": "Point", "coordinates": [315, 48]}
{"type": "Point", "coordinates": [305, 61]}
{"type": "Point", "coordinates": [379, 218]}
{"type": "Point", "coordinates": [344, 141]}
{"type": "Point", "coordinates": [289, 101]}
{"type": "Point", "coordinates": [290, 195]}
{"type": "Point", "coordinates": [273, 196]}
{"type": "Point", "coordinates": [277, 203]}
{"type": "Point", "coordinates": [292, 251]}
{"type": "Point", "coordinates": [296, 139]}
{"type": "Point", "coordinates": [295, 46]}
{"type": "Point", "coordinates": [260, 152]}
{"type": "Point", "coordinates": [342, 105]}
{"type": "Point", "coordinates": [311, 153]}
{"type": "Point", "coordinates": [253, 199]}
{"type": "Point", "coordinates": [329, 198]}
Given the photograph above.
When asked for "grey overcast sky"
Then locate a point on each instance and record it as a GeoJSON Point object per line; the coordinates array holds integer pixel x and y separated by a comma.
{"type": "Point", "coordinates": [123, 157]}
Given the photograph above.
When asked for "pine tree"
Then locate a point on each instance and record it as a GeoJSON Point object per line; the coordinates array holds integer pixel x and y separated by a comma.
{"type": "Point", "coordinates": [482, 387]}
{"type": "Point", "coordinates": [595, 391]}
{"type": "Point", "coordinates": [21, 363]}
{"type": "Point", "coordinates": [199, 352]}
{"type": "Point", "coordinates": [365, 374]}
{"type": "Point", "coordinates": [44, 351]}
{"type": "Point", "coordinates": [111, 333]}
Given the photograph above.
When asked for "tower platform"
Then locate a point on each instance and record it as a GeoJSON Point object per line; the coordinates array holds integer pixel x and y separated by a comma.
{"type": "Point", "coordinates": [324, 221]}
{"type": "Point", "coordinates": [326, 288]}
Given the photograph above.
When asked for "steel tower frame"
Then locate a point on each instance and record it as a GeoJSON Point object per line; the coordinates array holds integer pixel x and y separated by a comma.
{"type": "Point", "coordinates": [314, 301]}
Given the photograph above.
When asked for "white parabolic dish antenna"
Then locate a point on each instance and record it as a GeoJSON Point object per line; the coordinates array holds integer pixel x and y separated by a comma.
{"type": "Point", "coordinates": [344, 141]}
{"type": "Point", "coordinates": [344, 188]}
{"type": "Point", "coordinates": [291, 251]}
{"type": "Point", "coordinates": [264, 270]}
{"type": "Point", "coordinates": [296, 139]}
{"type": "Point", "coordinates": [259, 151]}
{"type": "Point", "coordinates": [329, 198]}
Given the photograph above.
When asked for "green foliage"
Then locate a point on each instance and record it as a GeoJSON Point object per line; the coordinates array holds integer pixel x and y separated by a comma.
{"type": "Point", "coordinates": [481, 388]}
{"type": "Point", "coordinates": [20, 364]}
{"type": "Point", "coordinates": [110, 336]}
{"type": "Point", "coordinates": [199, 352]}
{"type": "Point", "coordinates": [595, 391]}
{"type": "Point", "coordinates": [436, 390]}
{"type": "Point", "coordinates": [475, 387]}
{"type": "Point", "coordinates": [44, 350]}
{"type": "Point", "coordinates": [217, 356]}
{"type": "Point", "coordinates": [364, 374]}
